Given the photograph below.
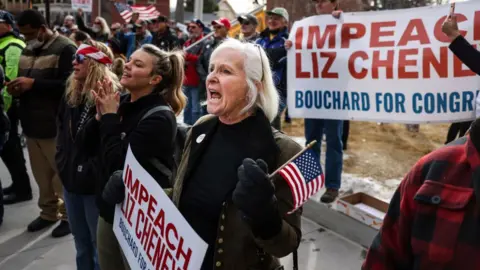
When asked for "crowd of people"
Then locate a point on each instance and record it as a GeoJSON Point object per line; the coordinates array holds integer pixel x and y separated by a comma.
{"type": "Point", "coordinates": [84, 94]}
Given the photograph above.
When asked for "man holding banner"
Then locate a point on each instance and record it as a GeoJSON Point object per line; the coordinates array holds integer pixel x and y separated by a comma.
{"type": "Point", "coordinates": [432, 219]}
{"type": "Point", "coordinates": [333, 129]}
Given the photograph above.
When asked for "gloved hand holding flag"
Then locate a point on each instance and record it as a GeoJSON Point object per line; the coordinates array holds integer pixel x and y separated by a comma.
{"type": "Point", "coordinates": [304, 175]}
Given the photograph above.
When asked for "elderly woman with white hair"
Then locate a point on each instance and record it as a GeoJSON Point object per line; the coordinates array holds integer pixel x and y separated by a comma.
{"type": "Point", "coordinates": [222, 187]}
{"type": "Point", "coordinates": [99, 31]}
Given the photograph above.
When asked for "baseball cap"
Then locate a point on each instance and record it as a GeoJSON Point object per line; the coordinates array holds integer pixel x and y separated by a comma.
{"type": "Point", "coordinates": [197, 22]}
{"type": "Point", "coordinates": [162, 18]}
{"type": "Point", "coordinates": [279, 11]}
{"type": "Point", "coordinates": [223, 22]}
{"type": "Point", "coordinates": [6, 17]}
{"type": "Point", "coordinates": [140, 23]}
{"type": "Point", "coordinates": [248, 18]}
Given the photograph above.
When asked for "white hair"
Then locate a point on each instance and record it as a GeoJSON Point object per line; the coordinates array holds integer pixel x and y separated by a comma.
{"type": "Point", "coordinates": [257, 70]}
{"type": "Point", "coordinates": [105, 28]}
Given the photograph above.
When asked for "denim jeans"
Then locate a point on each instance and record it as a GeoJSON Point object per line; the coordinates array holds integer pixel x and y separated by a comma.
{"type": "Point", "coordinates": [193, 109]}
{"type": "Point", "coordinates": [83, 217]}
{"type": "Point", "coordinates": [333, 129]}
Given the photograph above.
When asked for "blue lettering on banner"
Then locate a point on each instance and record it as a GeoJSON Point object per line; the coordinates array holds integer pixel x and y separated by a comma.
{"type": "Point", "coordinates": [393, 103]}
{"type": "Point", "coordinates": [336, 100]}
{"type": "Point", "coordinates": [128, 237]}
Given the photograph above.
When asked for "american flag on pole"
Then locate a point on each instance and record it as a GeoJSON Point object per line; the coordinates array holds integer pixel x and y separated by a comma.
{"type": "Point", "coordinates": [146, 12]}
{"type": "Point", "coordinates": [304, 176]}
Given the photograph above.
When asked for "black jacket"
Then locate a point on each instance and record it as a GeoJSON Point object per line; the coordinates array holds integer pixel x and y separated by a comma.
{"type": "Point", "coordinates": [203, 63]}
{"type": "Point", "coordinates": [149, 138]}
{"type": "Point", "coordinates": [77, 155]}
{"type": "Point", "coordinates": [166, 41]}
{"type": "Point", "coordinates": [466, 53]}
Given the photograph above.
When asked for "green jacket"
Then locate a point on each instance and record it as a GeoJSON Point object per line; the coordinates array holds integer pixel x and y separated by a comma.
{"type": "Point", "coordinates": [11, 49]}
{"type": "Point", "coordinates": [236, 247]}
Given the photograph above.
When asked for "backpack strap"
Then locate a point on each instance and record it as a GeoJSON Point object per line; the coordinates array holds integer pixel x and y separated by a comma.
{"type": "Point", "coordinates": [155, 162]}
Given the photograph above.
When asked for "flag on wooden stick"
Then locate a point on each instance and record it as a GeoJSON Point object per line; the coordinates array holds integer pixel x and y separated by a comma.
{"type": "Point", "coordinates": [304, 175]}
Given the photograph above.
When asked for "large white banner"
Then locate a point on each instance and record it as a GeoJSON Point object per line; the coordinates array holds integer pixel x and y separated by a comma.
{"type": "Point", "coordinates": [151, 231]}
{"type": "Point", "coordinates": [388, 66]}
{"type": "Point", "coordinates": [85, 5]}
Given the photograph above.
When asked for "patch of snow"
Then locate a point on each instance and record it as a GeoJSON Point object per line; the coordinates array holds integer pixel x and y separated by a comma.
{"type": "Point", "coordinates": [352, 183]}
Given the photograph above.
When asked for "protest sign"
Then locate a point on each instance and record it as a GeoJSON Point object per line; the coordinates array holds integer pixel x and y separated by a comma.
{"type": "Point", "coordinates": [85, 5]}
{"type": "Point", "coordinates": [387, 66]}
{"type": "Point", "coordinates": [151, 231]}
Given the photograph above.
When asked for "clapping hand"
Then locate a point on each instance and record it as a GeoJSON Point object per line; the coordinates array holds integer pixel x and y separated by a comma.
{"type": "Point", "coordinates": [106, 99]}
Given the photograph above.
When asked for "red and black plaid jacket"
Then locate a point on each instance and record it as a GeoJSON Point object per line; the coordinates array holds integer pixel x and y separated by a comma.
{"type": "Point", "coordinates": [433, 221]}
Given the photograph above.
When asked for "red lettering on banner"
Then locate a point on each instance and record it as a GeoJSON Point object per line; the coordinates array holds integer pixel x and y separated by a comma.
{"type": "Point", "coordinates": [377, 33]}
{"type": "Point", "coordinates": [347, 35]}
{"type": "Point", "coordinates": [476, 24]}
{"type": "Point", "coordinates": [403, 63]}
{"type": "Point", "coordinates": [315, 65]}
{"type": "Point", "coordinates": [147, 230]}
{"type": "Point", "coordinates": [458, 70]}
{"type": "Point", "coordinates": [315, 35]}
{"type": "Point", "coordinates": [151, 207]}
{"type": "Point", "coordinates": [326, 69]}
{"type": "Point", "coordinates": [299, 38]}
{"type": "Point", "coordinates": [186, 255]}
{"type": "Point", "coordinates": [171, 228]}
{"type": "Point", "coordinates": [160, 222]}
{"type": "Point", "coordinates": [387, 64]}
{"type": "Point", "coordinates": [351, 65]}
{"type": "Point", "coordinates": [440, 66]}
{"type": "Point", "coordinates": [151, 245]}
{"type": "Point", "coordinates": [159, 252]}
{"type": "Point", "coordinates": [137, 226]}
{"type": "Point", "coordinates": [440, 36]}
{"type": "Point", "coordinates": [165, 264]}
{"type": "Point", "coordinates": [408, 36]}
{"type": "Point", "coordinates": [299, 73]}
{"type": "Point", "coordinates": [143, 195]}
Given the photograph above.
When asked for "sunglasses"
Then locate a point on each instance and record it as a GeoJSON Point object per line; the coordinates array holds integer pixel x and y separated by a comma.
{"type": "Point", "coordinates": [246, 23]}
{"type": "Point", "coordinates": [80, 58]}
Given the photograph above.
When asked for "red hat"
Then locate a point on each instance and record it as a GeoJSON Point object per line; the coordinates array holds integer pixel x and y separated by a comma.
{"type": "Point", "coordinates": [223, 22]}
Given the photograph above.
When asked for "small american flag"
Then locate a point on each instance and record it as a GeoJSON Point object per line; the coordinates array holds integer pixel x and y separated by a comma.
{"type": "Point", "coordinates": [146, 12]}
{"type": "Point", "coordinates": [304, 176]}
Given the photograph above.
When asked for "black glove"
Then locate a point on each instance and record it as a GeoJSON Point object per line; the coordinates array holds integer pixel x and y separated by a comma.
{"type": "Point", "coordinates": [114, 191]}
{"type": "Point", "coordinates": [254, 195]}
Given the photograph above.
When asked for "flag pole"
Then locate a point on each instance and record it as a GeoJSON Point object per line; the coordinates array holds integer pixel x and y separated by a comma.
{"type": "Point", "coordinates": [310, 145]}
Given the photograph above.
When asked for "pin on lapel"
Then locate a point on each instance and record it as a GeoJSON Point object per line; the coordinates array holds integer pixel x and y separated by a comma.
{"type": "Point", "coordinates": [200, 138]}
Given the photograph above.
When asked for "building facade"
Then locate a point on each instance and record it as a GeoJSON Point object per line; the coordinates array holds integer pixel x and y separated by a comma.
{"type": "Point", "coordinates": [60, 8]}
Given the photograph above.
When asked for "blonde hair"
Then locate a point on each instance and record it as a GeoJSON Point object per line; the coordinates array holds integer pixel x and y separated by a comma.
{"type": "Point", "coordinates": [169, 65]}
{"type": "Point", "coordinates": [77, 92]}
{"type": "Point", "coordinates": [105, 28]}
{"type": "Point", "coordinates": [118, 66]}
{"type": "Point", "coordinates": [257, 70]}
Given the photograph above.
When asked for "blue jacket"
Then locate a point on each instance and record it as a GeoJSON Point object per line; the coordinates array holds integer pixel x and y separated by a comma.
{"type": "Point", "coordinates": [277, 54]}
{"type": "Point", "coordinates": [132, 40]}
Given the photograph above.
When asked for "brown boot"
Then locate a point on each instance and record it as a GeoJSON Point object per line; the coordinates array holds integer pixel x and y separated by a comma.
{"type": "Point", "coordinates": [329, 196]}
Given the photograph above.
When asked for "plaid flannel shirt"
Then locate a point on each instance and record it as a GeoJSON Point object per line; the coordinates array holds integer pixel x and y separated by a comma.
{"type": "Point", "coordinates": [433, 221]}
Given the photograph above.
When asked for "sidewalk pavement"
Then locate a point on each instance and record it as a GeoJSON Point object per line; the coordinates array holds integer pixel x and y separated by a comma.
{"type": "Point", "coordinates": [22, 250]}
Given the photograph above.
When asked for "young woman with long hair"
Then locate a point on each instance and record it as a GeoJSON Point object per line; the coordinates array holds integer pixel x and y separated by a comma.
{"type": "Point", "coordinates": [77, 155]}
{"type": "Point", "coordinates": [153, 78]}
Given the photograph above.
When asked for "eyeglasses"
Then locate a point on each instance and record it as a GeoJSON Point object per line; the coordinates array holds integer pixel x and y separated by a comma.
{"type": "Point", "coordinates": [246, 23]}
{"type": "Point", "coordinates": [80, 58]}
{"type": "Point", "coordinates": [260, 55]}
